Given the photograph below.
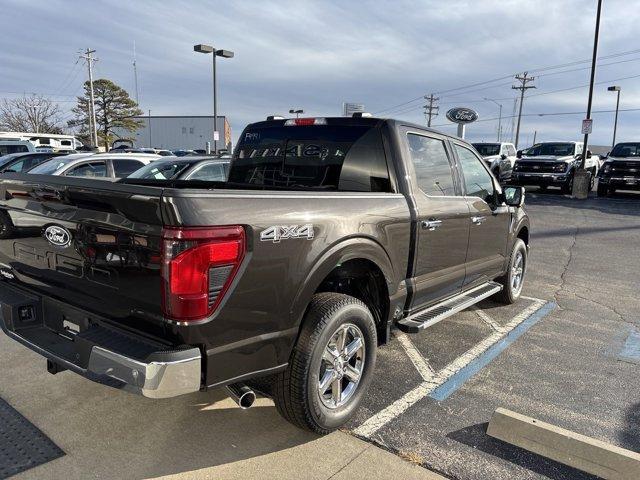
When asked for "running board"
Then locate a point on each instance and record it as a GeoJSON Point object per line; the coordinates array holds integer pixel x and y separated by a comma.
{"type": "Point", "coordinates": [434, 314]}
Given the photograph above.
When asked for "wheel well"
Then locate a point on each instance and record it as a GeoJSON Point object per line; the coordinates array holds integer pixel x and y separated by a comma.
{"type": "Point", "coordinates": [365, 281]}
{"type": "Point", "coordinates": [523, 235]}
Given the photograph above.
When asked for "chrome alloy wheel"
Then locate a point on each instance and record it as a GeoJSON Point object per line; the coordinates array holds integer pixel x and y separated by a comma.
{"type": "Point", "coordinates": [517, 272]}
{"type": "Point", "coordinates": [342, 366]}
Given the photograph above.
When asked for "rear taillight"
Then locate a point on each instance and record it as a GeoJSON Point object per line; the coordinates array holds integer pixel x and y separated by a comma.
{"type": "Point", "coordinates": [198, 265]}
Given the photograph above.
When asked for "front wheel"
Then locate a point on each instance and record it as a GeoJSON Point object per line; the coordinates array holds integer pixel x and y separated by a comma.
{"type": "Point", "coordinates": [603, 190]}
{"type": "Point", "coordinates": [513, 280]}
{"type": "Point", "coordinates": [331, 365]}
{"type": "Point", "coordinates": [567, 188]}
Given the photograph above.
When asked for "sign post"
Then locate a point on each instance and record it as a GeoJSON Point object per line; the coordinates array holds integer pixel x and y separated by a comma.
{"type": "Point", "coordinates": [462, 116]}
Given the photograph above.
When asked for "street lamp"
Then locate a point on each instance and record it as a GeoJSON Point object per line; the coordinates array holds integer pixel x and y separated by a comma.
{"type": "Point", "coordinates": [216, 53]}
{"type": "Point", "coordinates": [615, 88]}
{"type": "Point", "coordinates": [499, 116]}
{"type": "Point", "coordinates": [297, 112]}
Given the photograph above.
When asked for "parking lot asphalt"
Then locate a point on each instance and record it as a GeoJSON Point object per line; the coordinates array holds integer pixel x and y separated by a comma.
{"type": "Point", "coordinates": [574, 363]}
{"type": "Point", "coordinates": [568, 354]}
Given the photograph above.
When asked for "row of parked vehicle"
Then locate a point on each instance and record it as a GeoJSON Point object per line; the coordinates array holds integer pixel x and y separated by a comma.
{"type": "Point", "coordinates": [115, 166]}
{"type": "Point", "coordinates": [553, 164]}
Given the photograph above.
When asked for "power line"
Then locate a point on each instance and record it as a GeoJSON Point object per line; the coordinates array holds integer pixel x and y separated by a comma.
{"type": "Point", "coordinates": [485, 82]}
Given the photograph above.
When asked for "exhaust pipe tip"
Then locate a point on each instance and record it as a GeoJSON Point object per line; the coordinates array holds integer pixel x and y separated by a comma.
{"type": "Point", "coordinates": [242, 395]}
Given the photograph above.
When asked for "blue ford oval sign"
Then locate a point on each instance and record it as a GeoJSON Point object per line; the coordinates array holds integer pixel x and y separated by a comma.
{"type": "Point", "coordinates": [462, 115]}
{"type": "Point", "coordinates": [58, 236]}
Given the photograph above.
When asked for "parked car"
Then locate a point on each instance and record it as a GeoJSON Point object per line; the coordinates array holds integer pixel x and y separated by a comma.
{"type": "Point", "coordinates": [500, 157]}
{"type": "Point", "coordinates": [8, 147]}
{"type": "Point", "coordinates": [184, 153]}
{"type": "Point", "coordinates": [621, 169]}
{"type": "Point", "coordinates": [185, 168]}
{"type": "Point", "coordinates": [101, 165]}
{"type": "Point", "coordinates": [21, 162]}
{"type": "Point", "coordinates": [328, 232]}
{"type": "Point", "coordinates": [552, 164]}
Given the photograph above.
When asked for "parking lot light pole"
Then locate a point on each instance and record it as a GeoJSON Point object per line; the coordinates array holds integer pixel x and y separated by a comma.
{"type": "Point", "coordinates": [297, 112]}
{"type": "Point", "coordinates": [499, 116]}
{"type": "Point", "coordinates": [615, 88]}
{"type": "Point", "coordinates": [201, 48]}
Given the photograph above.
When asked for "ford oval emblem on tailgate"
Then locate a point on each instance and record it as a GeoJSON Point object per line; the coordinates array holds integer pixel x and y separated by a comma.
{"type": "Point", "coordinates": [58, 236]}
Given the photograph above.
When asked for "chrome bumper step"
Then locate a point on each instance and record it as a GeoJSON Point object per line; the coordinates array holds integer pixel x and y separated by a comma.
{"type": "Point", "coordinates": [434, 314]}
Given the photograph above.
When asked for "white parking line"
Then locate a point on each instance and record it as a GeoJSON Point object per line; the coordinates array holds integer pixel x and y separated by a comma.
{"type": "Point", "coordinates": [393, 411]}
{"type": "Point", "coordinates": [488, 320]}
{"type": "Point", "coordinates": [422, 365]}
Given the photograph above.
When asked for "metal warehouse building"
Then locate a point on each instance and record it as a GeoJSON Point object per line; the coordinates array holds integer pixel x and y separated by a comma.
{"type": "Point", "coordinates": [178, 132]}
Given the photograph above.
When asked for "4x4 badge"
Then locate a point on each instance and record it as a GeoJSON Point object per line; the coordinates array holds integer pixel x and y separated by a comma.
{"type": "Point", "coordinates": [58, 236]}
{"type": "Point", "coordinates": [282, 232]}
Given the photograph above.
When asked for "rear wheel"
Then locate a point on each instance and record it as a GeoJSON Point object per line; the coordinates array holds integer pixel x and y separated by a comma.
{"type": "Point", "coordinates": [513, 280]}
{"type": "Point", "coordinates": [592, 180]}
{"type": "Point", "coordinates": [331, 365]}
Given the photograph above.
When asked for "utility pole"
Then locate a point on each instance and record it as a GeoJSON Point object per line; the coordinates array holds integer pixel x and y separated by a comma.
{"type": "Point", "coordinates": [591, 83]}
{"type": "Point", "coordinates": [524, 80]}
{"type": "Point", "coordinates": [149, 122]}
{"type": "Point", "coordinates": [615, 88]}
{"type": "Point", "coordinates": [135, 72]}
{"type": "Point", "coordinates": [535, 134]}
{"type": "Point", "coordinates": [431, 110]}
{"type": "Point", "coordinates": [88, 56]}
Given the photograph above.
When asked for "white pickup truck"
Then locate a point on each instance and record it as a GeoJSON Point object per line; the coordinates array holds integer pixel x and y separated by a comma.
{"type": "Point", "coordinates": [500, 157]}
{"type": "Point", "coordinates": [553, 164]}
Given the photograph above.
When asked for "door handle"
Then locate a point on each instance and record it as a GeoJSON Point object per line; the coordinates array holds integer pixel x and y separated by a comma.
{"type": "Point", "coordinates": [431, 225]}
{"type": "Point", "coordinates": [478, 220]}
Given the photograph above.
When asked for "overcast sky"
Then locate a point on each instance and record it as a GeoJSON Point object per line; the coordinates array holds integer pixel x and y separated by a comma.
{"type": "Point", "coordinates": [316, 55]}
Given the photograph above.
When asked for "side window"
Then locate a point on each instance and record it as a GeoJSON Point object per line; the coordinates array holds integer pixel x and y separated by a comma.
{"type": "Point", "coordinates": [18, 166]}
{"type": "Point", "coordinates": [125, 167]}
{"type": "Point", "coordinates": [578, 150]}
{"type": "Point", "coordinates": [93, 169]}
{"type": "Point", "coordinates": [478, 182]}
{"type": "Point", "coordinates": [214, 172]}
{"type": "Point", "coordinates": [511, 150]}
{"type": "Point", "coordinates": [432, 166]}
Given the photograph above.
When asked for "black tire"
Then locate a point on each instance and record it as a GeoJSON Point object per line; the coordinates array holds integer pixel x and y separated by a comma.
{"type": "Point", "coordinates": [567, 188]}
{"type": "Point", "coordinates": [7, 230]}
{"type": "Point", "coordinates": [509, 294]}
{"type": "Point", "coordinates": [603, 190]}
{"type": "Point", "coordinates": [296, 390]}
{"type": "Point", "coordinates": [592, 180]}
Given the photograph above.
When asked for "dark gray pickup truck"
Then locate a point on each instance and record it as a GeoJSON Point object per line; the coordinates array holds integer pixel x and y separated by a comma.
{"type": "Point", "coordinates": [329, 233]}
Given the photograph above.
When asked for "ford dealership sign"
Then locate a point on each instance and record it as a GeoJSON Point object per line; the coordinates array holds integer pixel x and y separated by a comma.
{"type": "Point", "coordinates": [462, 115]}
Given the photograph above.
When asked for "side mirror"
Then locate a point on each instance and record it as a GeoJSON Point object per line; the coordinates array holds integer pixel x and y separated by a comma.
{"type": "Point", "coordinates": [588, 153]}
{"type": "Point", "coordinates": [519, 154]}
{"type": "Point", "coordinates": [513, 196]}
{"type": "Point", "coordinates": [503, 157]}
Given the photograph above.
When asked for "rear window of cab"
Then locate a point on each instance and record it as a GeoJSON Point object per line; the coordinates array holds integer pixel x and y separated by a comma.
{"type": "Point", "coordinates": [327, 157]}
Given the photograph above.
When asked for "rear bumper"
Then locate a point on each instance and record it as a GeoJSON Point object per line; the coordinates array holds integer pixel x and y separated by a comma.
{"type": "Point", "coordinates": [96, 351]}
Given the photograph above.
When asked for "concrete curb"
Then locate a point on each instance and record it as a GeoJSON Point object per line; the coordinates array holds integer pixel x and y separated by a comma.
{"type": "Point", "coordinates": [572, 449]}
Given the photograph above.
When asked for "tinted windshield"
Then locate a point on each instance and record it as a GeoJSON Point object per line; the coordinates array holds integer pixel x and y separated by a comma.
{"type": "Point", "coordinates": [487, 149]}
{"type": "Point", "coordinates": [626, 150]}
{"type": "Point", "coordinates": [50, 167]}
{"type": "Point", "coordinates": [161, 170]}
{"type": "Point", "coordinates": [552, 149]}
{"type": "Point", "coordinates": [332, 157]}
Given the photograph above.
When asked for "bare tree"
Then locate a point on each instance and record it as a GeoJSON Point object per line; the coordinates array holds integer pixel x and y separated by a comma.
{"type": "Point", "coordinates": [33, 113]}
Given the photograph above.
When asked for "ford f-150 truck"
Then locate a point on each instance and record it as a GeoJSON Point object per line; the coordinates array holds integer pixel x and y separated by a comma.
{"type": "Point", "coordinates": [328, 233]}
{"type": "Point", "coordinates": [500, 158]}
{"type": "Point", "coordinates": [621, 169]}
{"type": "Point", "coordinates": [553, 164]}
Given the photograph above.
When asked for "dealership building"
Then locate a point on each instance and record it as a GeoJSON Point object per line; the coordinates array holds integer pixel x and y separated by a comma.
{"type": "Point", "coordinates": [177, 132]}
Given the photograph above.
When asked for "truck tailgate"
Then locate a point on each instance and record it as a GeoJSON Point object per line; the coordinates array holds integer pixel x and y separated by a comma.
{"type": "Point", "coordinates": [94, 245]}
